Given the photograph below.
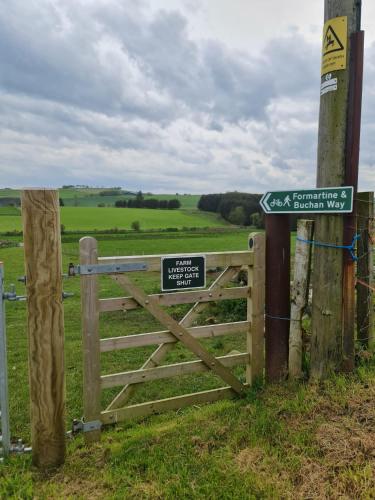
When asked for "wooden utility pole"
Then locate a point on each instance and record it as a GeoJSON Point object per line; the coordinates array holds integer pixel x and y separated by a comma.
{"type": "Point", "coordinates": [45, 323]}
{"type": "Point", "coordinates": [342, 19]}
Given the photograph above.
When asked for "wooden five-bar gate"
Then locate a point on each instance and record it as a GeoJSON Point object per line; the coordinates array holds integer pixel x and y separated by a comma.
{"type": "Point", "coordinates": [230, 263]}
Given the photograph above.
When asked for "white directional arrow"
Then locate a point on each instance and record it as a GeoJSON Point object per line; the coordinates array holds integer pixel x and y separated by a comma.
{"type": "Point", "coordinates": [263, 202]}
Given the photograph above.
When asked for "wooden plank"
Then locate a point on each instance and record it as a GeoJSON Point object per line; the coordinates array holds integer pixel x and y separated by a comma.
{"type": "Point", "coordinates": [167, 371]}
{"type": "Point", "coordinates": [176, 403]}
{"type": "Point", "coordinates": [213, 259]}
{"type": "Point", "coordinates": [165, 337]}
{"type": "Point", "coordinates": [91, 341]}
{"type": "Point", "coordinates": [256, 308]}
{"type": "Point", "coordinates": [43, 269]}
{"type": "Point", "coordinates": [299, 295]}
{"type": "Point", "coordinates": [181, 334]}
{"type": "Point", "coordinates": [365, 306]}
{"type": "Point", "coordinates": [159, 354]}
{"type": "Point", "coordinates": [171, 299]}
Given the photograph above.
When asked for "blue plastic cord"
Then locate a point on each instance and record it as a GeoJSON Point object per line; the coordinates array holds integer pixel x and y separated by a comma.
{"type": "Point", "coordinates": [350, 248]}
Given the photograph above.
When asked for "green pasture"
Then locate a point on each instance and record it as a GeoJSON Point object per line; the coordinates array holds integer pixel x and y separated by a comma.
{"type": "Point", "coordinates": [93, 218]}
{"type": "Point", "coordinates": [12, 211]}
{"type": "Point", "coordinates": [259, 447]}
{"type": "Point", "coordinates": [112, 323]}
{"type": "Point", "coordinates": [188, 201]}
{"type": "Point", "coordinates": [90, 197]}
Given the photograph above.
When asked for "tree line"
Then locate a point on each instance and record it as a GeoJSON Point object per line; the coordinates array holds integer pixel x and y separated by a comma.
{"type": "Point", "coordinates": [242, 209]}
{"type": "Point", "coordinates": [148, 203]}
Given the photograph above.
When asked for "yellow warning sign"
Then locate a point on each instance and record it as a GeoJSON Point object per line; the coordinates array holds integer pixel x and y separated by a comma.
{"type": "Point", "coordinates": [335, 41]}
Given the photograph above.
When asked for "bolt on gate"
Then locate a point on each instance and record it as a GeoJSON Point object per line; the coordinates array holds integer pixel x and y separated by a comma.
{"type": "Point", "coordinates": [91, 266]}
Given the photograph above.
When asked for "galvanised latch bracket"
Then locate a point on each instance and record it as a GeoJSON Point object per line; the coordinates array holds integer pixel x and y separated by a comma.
{"type": "Point", "coordinates": [81, 426]}
{"type": "Point", "coordinates": [91, 269]}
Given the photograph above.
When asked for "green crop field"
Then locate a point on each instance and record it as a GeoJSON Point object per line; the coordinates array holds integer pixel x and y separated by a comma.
{"type": "Point", "coordinates": [87, 218]}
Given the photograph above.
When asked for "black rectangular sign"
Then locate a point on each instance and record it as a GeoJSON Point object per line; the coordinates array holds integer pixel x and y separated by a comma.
{"type": "Point", "coordinates": [183, 272]}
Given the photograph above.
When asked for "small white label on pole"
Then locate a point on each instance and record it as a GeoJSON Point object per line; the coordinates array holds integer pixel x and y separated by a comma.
{"type": "Point", "coordinates": [328, 85]}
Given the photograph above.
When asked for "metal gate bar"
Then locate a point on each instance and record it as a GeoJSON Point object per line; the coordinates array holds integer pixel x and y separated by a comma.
{"type": "Point", "coordinates": [4, 403]}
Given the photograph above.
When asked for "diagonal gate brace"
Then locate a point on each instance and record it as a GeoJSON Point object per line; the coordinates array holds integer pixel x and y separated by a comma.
{"type": "Point", "coordinates": [182, 334]}
{"type": "Point", "coordinates": [160, 353]}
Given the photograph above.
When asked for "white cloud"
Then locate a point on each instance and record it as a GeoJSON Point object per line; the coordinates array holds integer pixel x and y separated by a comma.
{"type": "Point", "coordinates": [106, 92]}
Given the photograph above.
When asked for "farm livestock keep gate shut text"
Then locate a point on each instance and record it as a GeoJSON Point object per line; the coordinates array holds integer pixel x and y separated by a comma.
{"type": "Point", "coordinates": [91, 266]}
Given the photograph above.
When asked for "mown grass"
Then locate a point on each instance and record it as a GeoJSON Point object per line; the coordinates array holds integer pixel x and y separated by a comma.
{"type": "Point", "coordinates": [93, 218]}
{"type": "Point", "coordinates": [273, 444]}
{"type": "Point", "coordinates": [112, 323]}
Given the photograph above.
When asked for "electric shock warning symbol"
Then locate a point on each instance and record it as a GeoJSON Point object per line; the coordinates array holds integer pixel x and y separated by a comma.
{"type": "Point", "coordinates": [335, 35]}
{"type": "Point", "coordinates": [331, 42]}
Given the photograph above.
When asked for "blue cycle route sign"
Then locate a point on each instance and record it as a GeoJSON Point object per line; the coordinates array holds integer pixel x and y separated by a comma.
{"type": "Point", "coordinates": [320, 200]}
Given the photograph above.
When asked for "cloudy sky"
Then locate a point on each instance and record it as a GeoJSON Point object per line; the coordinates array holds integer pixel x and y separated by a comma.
{"type": "Point", "coordinates": [167, 95]}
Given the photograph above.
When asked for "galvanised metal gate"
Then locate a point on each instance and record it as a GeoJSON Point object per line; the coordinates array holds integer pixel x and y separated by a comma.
{"type": "Point", "coordinates": [4, 403]}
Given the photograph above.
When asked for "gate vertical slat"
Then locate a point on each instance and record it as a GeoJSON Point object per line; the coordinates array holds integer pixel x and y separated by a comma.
{"type": "Point", "coordinates": [4, 402]}
{"type": "Point", "coordinates": [255, 308]}
{"type": "Point", "coordinates": [91, 342]}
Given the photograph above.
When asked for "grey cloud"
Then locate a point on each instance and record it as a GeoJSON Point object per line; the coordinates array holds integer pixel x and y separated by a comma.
{"type": "Point", "coordinates": [108, 89]}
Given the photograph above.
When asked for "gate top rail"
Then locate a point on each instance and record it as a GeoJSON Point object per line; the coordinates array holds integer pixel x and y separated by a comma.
{"type": "Point", "coordinates": [213, 259]}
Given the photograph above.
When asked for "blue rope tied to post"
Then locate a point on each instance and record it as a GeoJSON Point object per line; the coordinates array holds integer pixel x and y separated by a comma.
{"type": "Point", "coordinates": [350, 248]}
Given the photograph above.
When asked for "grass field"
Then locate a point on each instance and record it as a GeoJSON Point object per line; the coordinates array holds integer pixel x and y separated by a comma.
{"type": "Point", "coordinates": [188, 201]}
{"type": "Point", "coordinates": [92, 218]}
{"type": "Point", "coordinates": [10, 211]}
{"type": "Point", "coordinates": [279, 442]}
{"type": "Point", "coordinates": [90, 197]}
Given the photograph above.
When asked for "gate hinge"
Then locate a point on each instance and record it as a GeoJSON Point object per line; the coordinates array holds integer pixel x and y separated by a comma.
{"type": "Point", "coordinates": [90, 269]}
{"type": "Point", "coordinates": [82, 426]}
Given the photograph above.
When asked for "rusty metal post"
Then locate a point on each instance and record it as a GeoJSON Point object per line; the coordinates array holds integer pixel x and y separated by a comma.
{"type": "Point", "coordinates": [277, 296]}
{"type": "Point", "coordinates": [351, 179]}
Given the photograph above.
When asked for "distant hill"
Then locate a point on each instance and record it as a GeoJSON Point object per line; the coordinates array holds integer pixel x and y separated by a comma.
{"type": "Point", "coordinates": [84, 196]}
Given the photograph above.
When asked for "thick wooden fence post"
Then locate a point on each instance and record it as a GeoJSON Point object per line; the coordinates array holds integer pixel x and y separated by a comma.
{"type": "Point", "coordinates": [365, 317]}
{"type": "Point", "coordinates": [91, 342]}
{"type": "Point", "coordinates": [277, 296]}
{"type": "Point", "coordinates": [300, 295]}
{"type": "Point", "coordinates": [255, 308]}
{"type": "Point", "coordinates": [42, 246]}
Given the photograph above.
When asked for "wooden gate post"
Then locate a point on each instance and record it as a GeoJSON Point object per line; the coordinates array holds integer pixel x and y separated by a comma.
{"type": "Point", "coordinates": [255, 308]}
{"type": "Point", "coordinates": [299, 295]}
{"type": "Point", "coordinates": [45, 324]}
{"type": "Point", "coordinates": [365, 317]}
{"type": "Point", "coordinates": [88, 248]}
{"type": "Point", "coordinates": [277, 296]}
